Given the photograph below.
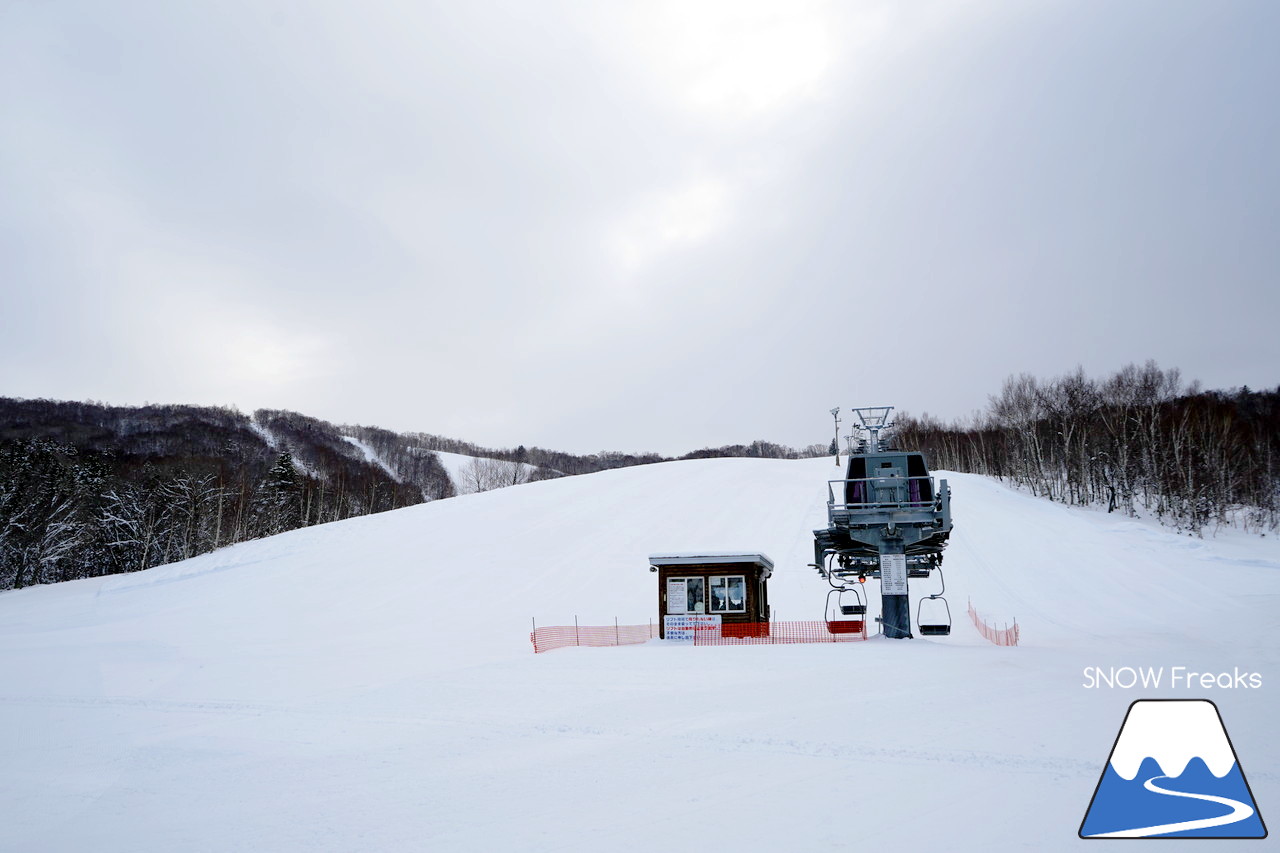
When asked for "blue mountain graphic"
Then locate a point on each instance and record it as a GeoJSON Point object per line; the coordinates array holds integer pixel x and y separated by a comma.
{"type": "Point", "coordinates": [1122, 805]}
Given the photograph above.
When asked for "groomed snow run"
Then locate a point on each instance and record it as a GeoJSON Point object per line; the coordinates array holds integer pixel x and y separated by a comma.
{"type": "Point", "coordinates": [371, 456]}
{"type": "Point", "coordinates": [369, 685]}
{"type": "Point", "coordinates": [459, 467]}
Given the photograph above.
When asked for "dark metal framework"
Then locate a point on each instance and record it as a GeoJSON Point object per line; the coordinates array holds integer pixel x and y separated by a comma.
{"type": "Point", "coordinates": [886, 519]}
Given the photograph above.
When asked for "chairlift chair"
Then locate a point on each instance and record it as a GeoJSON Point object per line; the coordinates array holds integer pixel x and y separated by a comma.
{"type": "Point", "coordinates": [849, 617]}
{"type": "Point", "coordinates": [936, 627]}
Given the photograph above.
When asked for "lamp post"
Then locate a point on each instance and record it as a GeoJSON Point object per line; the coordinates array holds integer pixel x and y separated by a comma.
{"type": "Point", "coordinates": [835, 414]}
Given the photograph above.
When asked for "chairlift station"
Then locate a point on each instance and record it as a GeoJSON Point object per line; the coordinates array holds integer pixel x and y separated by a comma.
{"type": "Point", "coordinates": [886, 520]}
{"type": "Point", "coordinates": [730, 585]}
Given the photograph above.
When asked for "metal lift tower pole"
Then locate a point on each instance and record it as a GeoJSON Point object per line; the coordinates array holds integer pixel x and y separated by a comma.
{"type": "Point", "coordinates": [835, 442]}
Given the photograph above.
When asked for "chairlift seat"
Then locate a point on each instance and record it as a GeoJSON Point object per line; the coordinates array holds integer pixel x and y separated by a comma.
{"type": "Point", "coordinates": [845, 626]}
{"type": "Point", "coordinates": [935, 629]}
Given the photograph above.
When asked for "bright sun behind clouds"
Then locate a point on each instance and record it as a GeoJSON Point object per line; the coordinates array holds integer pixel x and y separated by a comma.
{"type": "Point", "coordinates": [736, 60]}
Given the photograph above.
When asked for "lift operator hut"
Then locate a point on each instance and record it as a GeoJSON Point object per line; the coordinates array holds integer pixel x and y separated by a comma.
{"type": "Point", "coordinates": [729, 587]}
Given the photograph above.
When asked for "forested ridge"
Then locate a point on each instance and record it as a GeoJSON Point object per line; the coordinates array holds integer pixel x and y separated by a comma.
{"type": "Point", "coordinates": [88, 489]}
{"type": "Point", "coordinates": [1139, 440]}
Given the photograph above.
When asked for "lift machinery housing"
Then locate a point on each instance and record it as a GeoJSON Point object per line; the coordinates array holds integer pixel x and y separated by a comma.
{"type": "Point", "coordinates": [886, 519]}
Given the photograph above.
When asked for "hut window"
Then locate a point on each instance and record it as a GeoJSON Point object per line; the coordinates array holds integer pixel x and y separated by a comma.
{"type": "Point", "coordinates": [686, 595]}
{"type": "Point", "coordinates": [729, 594]}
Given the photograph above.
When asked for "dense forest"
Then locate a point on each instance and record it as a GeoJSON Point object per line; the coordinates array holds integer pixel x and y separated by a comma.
{"type": "Point", "coordinates": [88, 490]}
{"type": "Point", "coordinates": [1139, 440]}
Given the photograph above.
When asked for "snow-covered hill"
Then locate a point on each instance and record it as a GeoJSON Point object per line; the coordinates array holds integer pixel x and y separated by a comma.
{"type": "Point", "coordinates": [462, 469]}
{"type": "Point", "coordinates": [468, 474]}
{"type": "Point", "coordinates": [370, 685]}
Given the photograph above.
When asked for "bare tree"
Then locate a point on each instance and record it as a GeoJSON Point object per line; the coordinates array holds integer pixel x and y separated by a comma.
{"type": "Point", "coordinates": [484, 474]}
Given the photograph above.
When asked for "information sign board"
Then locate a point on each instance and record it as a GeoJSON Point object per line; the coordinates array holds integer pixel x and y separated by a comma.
{"type": "Point", "coordinates": [680, 628]}
{"type": "Point", "coordinates": [893, 574]}
{"type": "Point", "coordinates": [677, 600]}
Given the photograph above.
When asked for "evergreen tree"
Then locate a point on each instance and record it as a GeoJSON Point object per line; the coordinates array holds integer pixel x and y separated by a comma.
{"type": "Point", "coordinates": [277, 506]}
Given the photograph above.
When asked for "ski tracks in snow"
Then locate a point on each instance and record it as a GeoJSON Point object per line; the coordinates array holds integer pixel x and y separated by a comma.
{"type": "Point", "coordinates": [480, 728]}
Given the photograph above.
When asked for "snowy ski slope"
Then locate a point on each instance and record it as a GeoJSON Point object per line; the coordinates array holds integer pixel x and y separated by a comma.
{"type": "Point", "coordinates": [459, 465]}
{"type": "Point", "coordinates": [370, 685]}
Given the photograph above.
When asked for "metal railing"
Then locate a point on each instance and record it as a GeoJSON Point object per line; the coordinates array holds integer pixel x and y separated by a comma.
{"type": "Point", "coordinates": [904, 493]}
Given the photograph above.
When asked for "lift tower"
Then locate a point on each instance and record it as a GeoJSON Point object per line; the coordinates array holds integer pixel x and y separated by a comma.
{"type": "Point", "coordinates": [886, 519]}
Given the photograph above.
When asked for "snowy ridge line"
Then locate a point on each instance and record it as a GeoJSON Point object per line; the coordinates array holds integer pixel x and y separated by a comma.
{"type": "Point", "coordinates": [1007, 636]}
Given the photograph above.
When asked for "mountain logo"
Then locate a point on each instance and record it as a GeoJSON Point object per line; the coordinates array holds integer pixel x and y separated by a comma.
{"type": "Point", "coordinates": [1172, 773]}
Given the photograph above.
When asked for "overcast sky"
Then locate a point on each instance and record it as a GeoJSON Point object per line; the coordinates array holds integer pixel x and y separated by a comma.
{"type": "Point", "coordinates": [645, 226]}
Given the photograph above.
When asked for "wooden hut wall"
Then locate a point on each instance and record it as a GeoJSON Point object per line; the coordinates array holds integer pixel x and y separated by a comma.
{"type": "Point", "coordinates": [757, 604]}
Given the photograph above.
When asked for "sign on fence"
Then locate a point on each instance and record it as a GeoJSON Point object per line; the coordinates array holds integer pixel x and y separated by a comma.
{"type": "Point", "coordinates": [680, 628]}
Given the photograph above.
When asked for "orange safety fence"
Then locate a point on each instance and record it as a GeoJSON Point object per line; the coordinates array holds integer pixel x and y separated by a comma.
{"type": "Point", "coordinates": [560, 636]}
{"type": "Point", "coordinates": [1006, 636]}
{"type": "Point", "coordinates": [769, 633]}
{"type": "Point", "coordinates": [732, 634]}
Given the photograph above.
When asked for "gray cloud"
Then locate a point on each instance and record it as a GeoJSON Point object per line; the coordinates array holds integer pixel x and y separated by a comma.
{"type": "Point", "coordinates": [648, 227]}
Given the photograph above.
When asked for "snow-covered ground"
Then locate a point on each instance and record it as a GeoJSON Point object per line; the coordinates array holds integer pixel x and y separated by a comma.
{"type": "Point", "coordinates": [370, 685]}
